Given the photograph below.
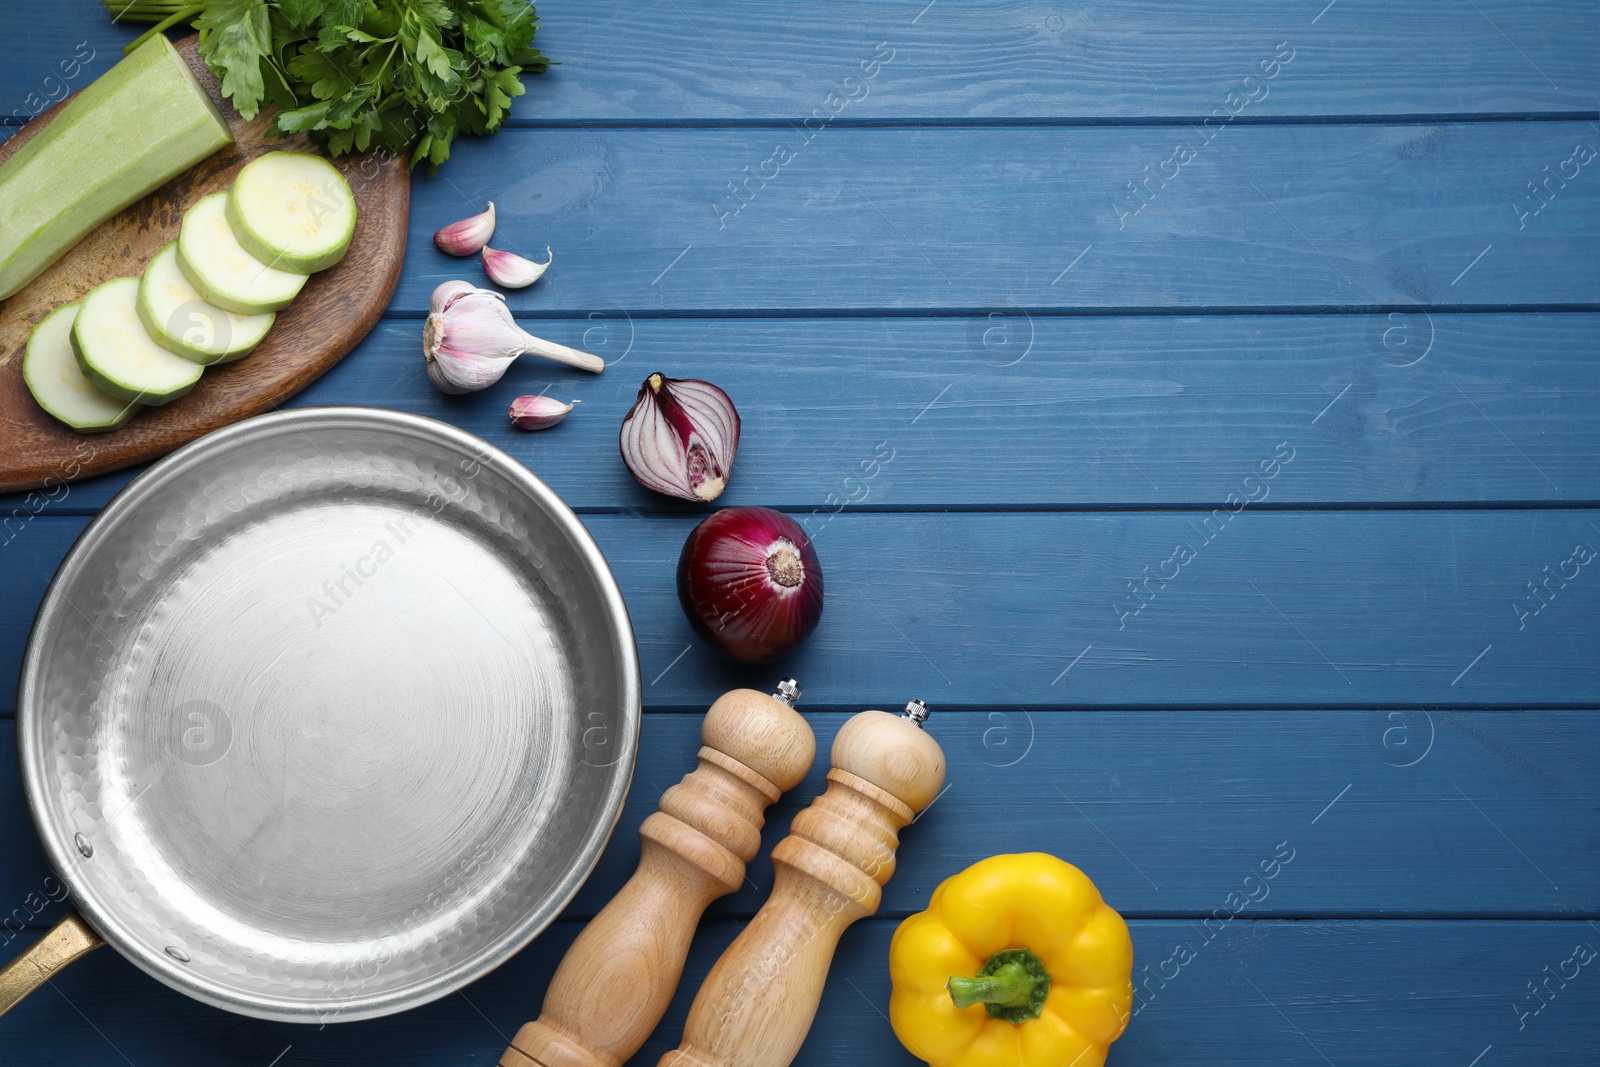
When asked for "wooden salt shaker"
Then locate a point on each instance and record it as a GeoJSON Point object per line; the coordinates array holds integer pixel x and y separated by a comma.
{"type": "Point", "coordinates": [757, 1004]}
{"type": "Point", "coordinates": [616, 980]}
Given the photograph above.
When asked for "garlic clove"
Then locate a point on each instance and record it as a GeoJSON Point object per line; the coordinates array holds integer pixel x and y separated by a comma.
{"type": "Point", "coordinates": [511, 271]}
{"type": "Point", "coordinates": [447, 292]}
{"type": "Point", "coordinates": [454, 371]}
{"type": "Point", "coordinates": [680, 437]}
{"type": "Point", "coordinates": [538, 412]}
{"type": "Point", "coordinates": [440, 382]}
{"type": "Point", "coordinates": [464, 238]}
{"type": "Point", "coordinates": [469, 340]}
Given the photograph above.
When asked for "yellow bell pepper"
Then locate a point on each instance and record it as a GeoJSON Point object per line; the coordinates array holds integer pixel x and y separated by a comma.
{"type": "Point", "coordinates": [1017, 962]}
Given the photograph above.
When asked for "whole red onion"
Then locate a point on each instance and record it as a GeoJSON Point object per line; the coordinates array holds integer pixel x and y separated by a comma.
{"type": "Point", "coordinates": [750, 583]}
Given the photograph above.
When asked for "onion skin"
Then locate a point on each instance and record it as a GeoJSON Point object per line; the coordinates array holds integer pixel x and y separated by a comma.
{"type": "Point", "coordinates": [750, 583]}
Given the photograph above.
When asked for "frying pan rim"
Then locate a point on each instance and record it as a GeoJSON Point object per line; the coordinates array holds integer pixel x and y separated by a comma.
{"type": "Point", "coordinates": [103, 916]}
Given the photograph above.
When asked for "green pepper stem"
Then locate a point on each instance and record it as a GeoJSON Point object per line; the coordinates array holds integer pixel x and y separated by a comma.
{"type": "Point", "coordinates": [1010, 987]}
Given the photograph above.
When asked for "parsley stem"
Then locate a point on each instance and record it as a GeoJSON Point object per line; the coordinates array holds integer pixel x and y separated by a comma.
{"type": "Point", "coordinates": [144, 10]}
{"type": "Point", "coordinates": [392, 49]}
{"type": "Point", "coordinates": [182, 15]}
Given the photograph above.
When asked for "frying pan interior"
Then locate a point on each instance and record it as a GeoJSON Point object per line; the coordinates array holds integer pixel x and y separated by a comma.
{"type": "Point", "coordinates": [328, 714]}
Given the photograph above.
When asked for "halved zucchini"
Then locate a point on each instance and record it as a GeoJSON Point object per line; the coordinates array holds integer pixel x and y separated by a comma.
{"type": "Point", "coordinates": [211, 257]}
{"type": "Point", "coordinates": [57, 382]}
{"type": "Point", "coordinates": [180, 320]}
{"type": "Point", "coordinates": [116, 353]}
{"type": "Point", "coordinates": [142, 122]}
{"type": "Point", "coordinates": [292, 210]}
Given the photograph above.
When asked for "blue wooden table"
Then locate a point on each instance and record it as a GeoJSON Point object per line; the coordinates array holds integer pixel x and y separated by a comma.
{"type": "Point", "coordinates": [1198, 406]}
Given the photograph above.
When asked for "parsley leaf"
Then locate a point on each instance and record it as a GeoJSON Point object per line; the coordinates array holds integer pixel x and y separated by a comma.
{"type": "Point", "coordinates": [234, 35]}
{"type": "Point", "coordinates": [302, 12]}
{"type": "Point", "coordinates": [395, 75]}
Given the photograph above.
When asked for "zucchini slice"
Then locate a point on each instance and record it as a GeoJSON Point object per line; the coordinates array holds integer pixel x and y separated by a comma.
{"type": "Point", "coordinates": [57, 383]}
{"type": "Point", "coordinates": [211, 257]}
{"type": "Point", "coordinates": [116, 353]}
{"type": "Point", "coordinates": [180, 320]}
{"type": "Point", "coordinates": [292, 210]}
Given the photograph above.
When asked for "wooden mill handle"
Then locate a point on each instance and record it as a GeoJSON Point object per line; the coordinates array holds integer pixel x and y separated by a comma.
{"type": "Point", "coordinates": [619, 975]}
{"type": "Point", "coordinates": [616, 980]}
{"type": "Point", "coordinates": [758, 1002]}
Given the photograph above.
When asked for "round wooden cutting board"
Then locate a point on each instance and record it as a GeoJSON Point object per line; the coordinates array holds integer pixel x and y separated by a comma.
{"type": "Point", "coordinates": [332, 313]}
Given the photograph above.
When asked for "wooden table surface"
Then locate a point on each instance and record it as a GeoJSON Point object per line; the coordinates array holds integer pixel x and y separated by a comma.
{"type": "Point", "coordinates": [1190, 403]}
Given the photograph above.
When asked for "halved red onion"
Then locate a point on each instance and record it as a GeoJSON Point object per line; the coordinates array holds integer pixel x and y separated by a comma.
{"type": "Point", "coordinates": [750, 583]}
{"type": "Point", "coordinates": [680, 437]}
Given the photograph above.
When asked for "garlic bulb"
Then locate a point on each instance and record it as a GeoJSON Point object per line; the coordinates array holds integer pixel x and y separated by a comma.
{"type": "Point", "coordinates": [467, 236]}
{"type": "Point", "coordinates": [511, 271]}
{"type": "Point", "coordinates": [470, 339]}
{"type": "Point", "coordinates": [680, 437]}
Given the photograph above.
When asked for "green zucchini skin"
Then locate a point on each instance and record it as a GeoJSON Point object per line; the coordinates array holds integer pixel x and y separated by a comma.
{"type": "Point", "coordinates": [51, 373]}
{"type": "Point", "coordinates": [130, 131]}
{"type": "Point", "coordinates": [292, 210]}
{"type": "Point", "coordinates": [210, 256]}
{"type": "Point", "coordinates": [183, 322]}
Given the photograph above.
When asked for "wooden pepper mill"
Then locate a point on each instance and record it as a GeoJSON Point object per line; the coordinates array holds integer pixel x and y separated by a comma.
{"type": "Point", "coordinates": [616, 980]}
{"type": "Point", "coordinates": [757, 1004]}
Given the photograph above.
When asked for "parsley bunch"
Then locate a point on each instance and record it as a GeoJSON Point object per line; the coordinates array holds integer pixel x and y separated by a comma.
{"type": "Point", "coordinates": [397, 75]}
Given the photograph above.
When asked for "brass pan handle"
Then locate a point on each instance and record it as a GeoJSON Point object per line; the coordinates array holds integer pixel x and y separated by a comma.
{"type": "Point", "coordinates": [66, 941]}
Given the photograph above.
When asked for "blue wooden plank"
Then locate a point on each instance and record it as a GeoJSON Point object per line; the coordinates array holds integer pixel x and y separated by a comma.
{"type": "Point", "coordinates": [1304, 608]}
{"type": "Point", "coordinates": [1262, 217]}
{"type": "Point", "coordinates": [1014, 411]}
{"type": "Point", "coordinates": [1268, 993]}
{"type": "Point", "coordinates": [989, 61]}
{"type": "Point", "coordinates": [1386, 814]}
{"type": "Point", "coordinates": [1218, 609]}
{"type": "Point", "coordinates": [1008, 60]}
{"type": "Point", "coordinates": [46, 56]}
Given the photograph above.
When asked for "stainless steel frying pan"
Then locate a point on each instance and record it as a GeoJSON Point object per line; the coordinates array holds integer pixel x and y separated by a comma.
{"type": "Point", "coordinates": [324, 717]}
